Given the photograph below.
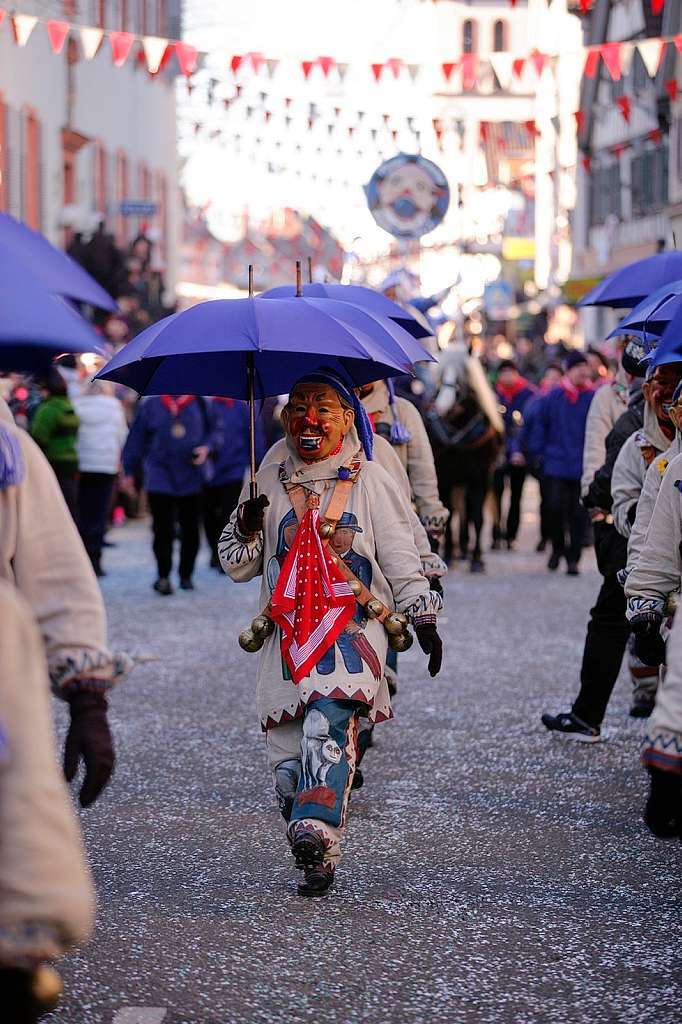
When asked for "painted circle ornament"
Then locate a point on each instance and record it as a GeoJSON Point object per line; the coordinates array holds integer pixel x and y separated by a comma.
{"type": "Point", "coordinates": [408, 196]}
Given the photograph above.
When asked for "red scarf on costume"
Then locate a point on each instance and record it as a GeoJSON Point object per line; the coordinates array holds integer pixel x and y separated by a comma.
{"type": "Point", "coordinates": [509, 394]}
{"type": "Point", "coordinates": [571, 391]}
{"type": "Point", "coordinates": [312, 602]}
{"type": "Point", "coordinates": [229, 402]}
{"type": "Point", "coordinates": [176, 405]}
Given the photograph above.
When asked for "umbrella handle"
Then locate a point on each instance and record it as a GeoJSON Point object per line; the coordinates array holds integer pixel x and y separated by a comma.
{"type": "Point", "coordinates": [250, 373]}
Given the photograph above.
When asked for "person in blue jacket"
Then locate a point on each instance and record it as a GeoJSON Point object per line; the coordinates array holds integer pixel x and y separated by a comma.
{"type": "Point", "coordinates": [221, 492]}
{"type": "Point", "coordinates": [170, 442]}
{"type": "Point", "coordinates": [555, 441]}
{"type": "Point", "coordinates": [514, 393]}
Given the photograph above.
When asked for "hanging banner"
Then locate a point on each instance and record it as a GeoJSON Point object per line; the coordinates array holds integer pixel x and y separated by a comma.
{"type": "Point", "coordinates": [408, 196]}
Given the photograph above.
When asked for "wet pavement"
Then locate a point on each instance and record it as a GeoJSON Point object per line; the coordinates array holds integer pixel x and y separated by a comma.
{"type": "Point", "coordinates": [491, 873]}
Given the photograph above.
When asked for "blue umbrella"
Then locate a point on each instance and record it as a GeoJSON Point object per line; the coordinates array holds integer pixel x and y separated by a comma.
{"type": "Point", "coordinates": [669, 348]}
{"type": "Point", "coordinates": [366, 298]}
{"type": "Point", "coordinates": [36, 326]}
{"type": "Point", "coordinates": [629, 285]}
{"type": "Point", "coordinates": [22, 247]}
{"type": "Point", "coordinates": [250, 349]}
{"type": "Point", "coordinates": [653, 314]}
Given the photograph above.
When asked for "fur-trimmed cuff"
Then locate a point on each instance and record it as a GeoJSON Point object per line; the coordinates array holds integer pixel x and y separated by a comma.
{"type": "Point", "coordinates": [433, 565]}
{"type": "Point", "coordinates": [663, 750]}
{"type": "Point", "coordinates": [88, 671]}
{"type": "Point", "coordinates": [235, 549]}
{"type": "Point", "coordinates": [26, 944]}
{"type": "Point", "coordinates": [645, 609]}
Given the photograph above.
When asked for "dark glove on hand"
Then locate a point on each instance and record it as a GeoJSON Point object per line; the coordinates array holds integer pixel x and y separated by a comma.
{"type": "Point", "coordinates": [29, 995]}
{"type": "Point", "coordinates": [252, 514]}
{"type": "Point", "coordinates": [663, 811]}
{"type": "Point", "coordinates": [89, 737]}
{"type": "Point", "coordinates": [436, 585]}
{"type": "Point", "coordinates": [431, 644]}
{"type": "Point", "coordinates": [649, 644]}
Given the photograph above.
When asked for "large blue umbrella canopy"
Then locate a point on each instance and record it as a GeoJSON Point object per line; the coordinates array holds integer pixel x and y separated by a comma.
{"type": "Point", "coordinates": [669, 348]}
{"type": "Point", "coordinates": [21, 247]}
{"type": "Point", "coordinates": [36, 326]}
{"type": "Point", "coordinates": [629, 285]}
{"type": "Point", "coordinates": [208, 348]}
{"type": "Point", "coordinates": [653, 314]}
{"type": "Point", "coordinates": [366, 298]}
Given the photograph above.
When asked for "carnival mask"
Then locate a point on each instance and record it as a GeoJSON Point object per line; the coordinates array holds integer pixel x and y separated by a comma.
{"type": "Point", "coordinates": [316, 420]}
{"type": "Point", "coordinates": [659, 390]}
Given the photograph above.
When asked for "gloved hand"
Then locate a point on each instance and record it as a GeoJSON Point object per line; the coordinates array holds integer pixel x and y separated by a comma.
{"type": "Point", "coordinates": [431, 644]}
{"type": "Point", "coordinates": [251, 515]}
{"type": "Point", "coordinates": [89, 737]}
{"type": "Point", "coordinates": [27, 995]}
{"type": "Point", "coordinates": [663, 811]}
{"type": "Point", "coordinates": [649, 644]}
{"type": "Point", "coordinates": [436, 585]}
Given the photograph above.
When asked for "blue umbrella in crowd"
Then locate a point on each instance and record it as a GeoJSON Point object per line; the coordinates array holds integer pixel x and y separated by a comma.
{"type": "Point", "coordinates": [21, 248]}
{"type": "Point", "coordinates": [366, 298]}
{"type": "Point", "coordinates": [36, 326]}
{"type": "Point", "coordinates": [652, 315]}
{"type": "Point", "coordinates": [669, 348]}
{"type": "Point", "coordinates": [629, 285]}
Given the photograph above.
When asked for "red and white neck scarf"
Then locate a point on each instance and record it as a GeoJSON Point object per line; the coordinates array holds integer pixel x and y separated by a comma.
{"type": "Point", "coordinates": [312, 602]}
{"type": "Point", "coordinates": [176, 405]}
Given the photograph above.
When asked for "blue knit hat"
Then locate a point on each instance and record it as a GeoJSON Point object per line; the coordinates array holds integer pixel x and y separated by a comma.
{"type": "Point", "coordinates": [345, 390]}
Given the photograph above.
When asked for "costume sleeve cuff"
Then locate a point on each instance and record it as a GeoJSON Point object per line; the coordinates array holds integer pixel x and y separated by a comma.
{"type": "Point", "coordinates": [425, 608]}
{"type": "Point", "coordinates": [645, 609]}
{"type": "Point", "coordinates": [85, 670]}
{"type": "Point", "coordinates": [663, 749]}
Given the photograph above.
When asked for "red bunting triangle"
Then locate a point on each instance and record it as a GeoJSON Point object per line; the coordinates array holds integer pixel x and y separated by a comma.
{"type": "Point", "coordinates": [672, 89]}
{"type": "Point", "coordinates": [257, 61]}
{"type": "Point", "coordinates": [469, 65]}
{"type": "Point", "coordinates": [448, 68]}
{"type": "Point", "coordinates": [394, 64]}
{"type": "Point", "coordinates": [579, 120]}
{"type": "Point", "coordinates": [532, 128]}
{"type": "Point", "coordinates": [518, 66]}
{"type": "Point", "coordinates": [57, 32]}
{"type": "Point", "coordinates": [376, 71]}
{"type": "Point", "coordinates": [610, 53]}
{"type": "Point", "coordinates": [586, 162]}
{"type": "Point", "coordinates": [539, 61]}
{"type": "Point", "coordinates": [236, 63]}
{"type": "Point", "coordinates": [326, 63]}
{"type": "Point", "coordinates": [657, 6]}
{"type": "Point", "coordinates": [121, 44]}
{"type": "Point", "coordinates": [307, 67]}
{"type": "Point", "coordinates": [624, 104]}
{"type": "Point", "coordinates": [187, 58]}
{"type": "Point", "coordinates": [585, 6]}
{"type": "Point", "coordinates": [591, 63]}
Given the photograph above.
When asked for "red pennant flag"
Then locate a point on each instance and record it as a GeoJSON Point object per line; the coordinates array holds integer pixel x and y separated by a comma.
{"type": "Point", "coordinates": [655, 135]}
{"type": "Point", "coordinates": [394, 64]}
{"type": "Point", "coordinates": [624, 104]}
{"type": "Point", "coordinates": [672, 89]}
{"type": "Point", "coordinates": [585, 6]}
{"type": "Point", "coordinates": [448, 68]}
{"type": "Point", "coordinates": [121, 44]}
{"type": "Point", "coordinates": [586, 162]}
{"type": "Point", "coordinates": [187, 58]}
{"type": "Point", "coordinates": [469, 70]}
{"type": "Point", "coordinates": [326, 63]}
{"type": "Point", "coordinates": [236, 63]}
{"type": "Point", "coordinates": [678, 43]}
{"type": "Point", "coordinates": [591, 63]}
{"type": "Point", "coordinates": [579, 120]}
{"type": "Point", "coordinates": [532, 128]}
{"type": "Point", "coordinates": [307, 67]}
{"type": "Point", "coordinates": [57, 32]}
{"type": "Point", "coordinates": [518, 66]}
{"type": "Point", "coordinates": [3, 12]}
{"type": "Point", "coordinates": [610, 53]}
{"type": "Point", "coordinates": [376, 71]}
{"type": "Point", "coordinates": [539, 61]}
{"type": "Point", "coordinates": [257, 61]}
{"type": "Point", "coordinates": [657, 6]}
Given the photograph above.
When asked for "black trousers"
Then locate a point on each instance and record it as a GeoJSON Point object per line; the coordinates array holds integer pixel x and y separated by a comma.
{"type": "Point", "coordinates": [94, 501]}
{"type": "Point", "coordinates": [607, 636]}
{"type": "Point", "coordinates": [167, 510]}
{"type": "Point", "coordinates": [516, 476]}
{"type": "Point", "coordinates": [566, 517]}
{"type": "Point", "coordinates": [67, 478]}
{"type": "Point", "coordinates": [219, 504]}
{"type": "Point", "coordinates": [545, 519]}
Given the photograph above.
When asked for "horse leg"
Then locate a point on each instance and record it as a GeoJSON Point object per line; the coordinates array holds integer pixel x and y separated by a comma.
{"type": "Point", "coordinates": [475, 498]}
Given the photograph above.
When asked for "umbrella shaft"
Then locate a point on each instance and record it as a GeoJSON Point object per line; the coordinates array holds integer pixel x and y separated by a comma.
{"type": "Point", "coordinates": [253, 486]}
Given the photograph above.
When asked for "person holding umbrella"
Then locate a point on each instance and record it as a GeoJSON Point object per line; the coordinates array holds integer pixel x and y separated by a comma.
{"type": "Point", "coordinates": [333, 603]}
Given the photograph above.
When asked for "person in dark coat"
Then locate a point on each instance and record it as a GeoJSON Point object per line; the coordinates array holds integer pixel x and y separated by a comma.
{"type": "Point", "coordinates": [551, 378]}
{"type": "Point", "coordinates": [170, 441]}
{"type": "Point", "coordinates": [556, 440]}
{"type": "Point", "coordinates": [221, 493]}
{"type": "Point", "coordinates": [514, 393]}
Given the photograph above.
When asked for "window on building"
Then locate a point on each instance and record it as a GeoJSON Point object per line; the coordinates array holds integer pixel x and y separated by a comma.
{"type": "Point", "coordinates": [469, 33]}
{"type": "Point", "coordinates": [31, 206]}
{"type": "Point", "coordinates": [649, 180]}
{"type": "Point", "coordinates": [605, 197]}
{"type": "Point", "coordinates": [500, 37]}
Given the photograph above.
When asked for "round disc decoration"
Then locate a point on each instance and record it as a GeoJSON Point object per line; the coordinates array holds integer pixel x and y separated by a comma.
{"type": "Point", "coordinates": [408, 196]}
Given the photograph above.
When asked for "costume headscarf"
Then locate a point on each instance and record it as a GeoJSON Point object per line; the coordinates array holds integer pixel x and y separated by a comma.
{"type": "Point", "coordinates": [12, 469]}
{"type": "Point", "coordinates": [399, 432]}
{"type": "Point", "coordinates": [362, 421]}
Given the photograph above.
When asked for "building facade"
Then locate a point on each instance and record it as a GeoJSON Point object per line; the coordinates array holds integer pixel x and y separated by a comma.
{"type": "Point", "coordinates": [81, 138]}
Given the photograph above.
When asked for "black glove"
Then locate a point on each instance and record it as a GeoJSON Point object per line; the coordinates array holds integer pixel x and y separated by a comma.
{"type": "Point", "coordinates": [251, 515]}
{"type": "Point", "coordinates": [28, 995]}
{"type": "Point", "coordinates": [663, 811]}
{"type": "Point", "coordinates": [431, 644]}
{"type": "Point", "coordinates": [89, 737]}
{"type": "Point", "coordinates": [436, 585]}
{"type": "Point", "coordinates": [649, 644]}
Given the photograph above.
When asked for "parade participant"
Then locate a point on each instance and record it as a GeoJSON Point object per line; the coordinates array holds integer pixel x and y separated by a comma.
{"type": "Point", "coordinates": [55, 428]}
{"type": "Point", "coordinates": [609, 402]}
{"type": "Point", "coordinates": [556, 440]}
{"type": "Point", "coordinates": [42, 555]}
{"type": "Point", "coordinates": [514, 393]}
{"type": "Point", "coordinates": [46, 897]}
{"type": "Point", "coordinates": [551, 378]}
{"type": "Point", "coordinates": [311, 688]}
{"type": "Point", "coordinates": [398, 421]}
{"type": "Point", "coordinates": [229, 465]}
{"type": "Point", "coordinates": [170, 441]}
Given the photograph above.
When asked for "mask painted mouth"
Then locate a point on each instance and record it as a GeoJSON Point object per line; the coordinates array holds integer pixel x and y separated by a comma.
{"type": "Point", "coordinates": [310, 442]}
{"type": "Point", "coordinates": [404, 208]}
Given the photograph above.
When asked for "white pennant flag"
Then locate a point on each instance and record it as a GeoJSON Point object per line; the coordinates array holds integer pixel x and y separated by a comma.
{"type": "Point", "coordinates": [650, 52]}
{"type": "Point", "coordinates": [503, 66]}
{"type": "Point", "coordinates": [154, 49]}
{"type": "Point", "coordinates": [91, 39]}
{"type": "Point", "coordinates": [23, 26]}
{"type": "Point", "coordinates": [627, 52]}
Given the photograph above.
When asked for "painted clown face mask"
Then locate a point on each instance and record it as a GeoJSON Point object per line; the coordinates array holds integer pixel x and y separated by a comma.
{"type": "Point", "coordinates": [317, 421]}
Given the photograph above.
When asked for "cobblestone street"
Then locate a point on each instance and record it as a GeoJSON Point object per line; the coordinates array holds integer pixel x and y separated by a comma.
{"type": "Point", "coordinates": [490, 873]}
